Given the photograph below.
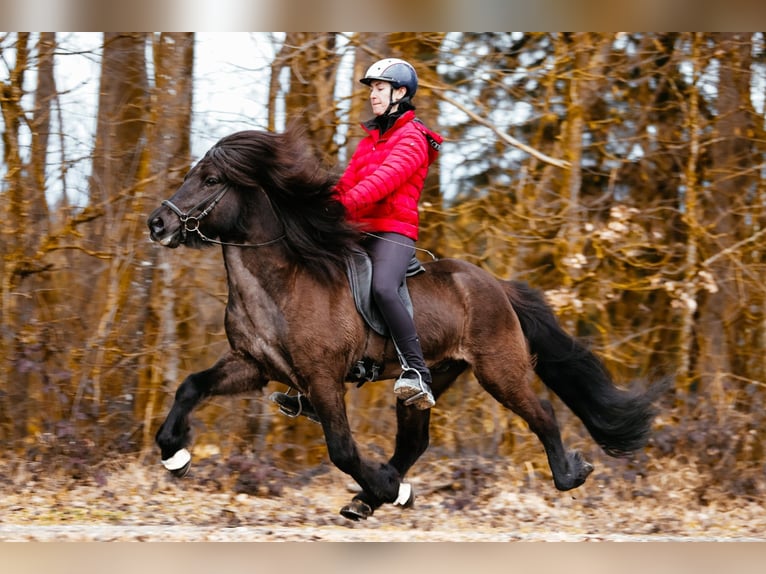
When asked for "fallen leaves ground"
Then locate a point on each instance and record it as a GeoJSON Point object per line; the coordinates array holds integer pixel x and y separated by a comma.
{"type": "Point", "coordinates": [466, 500]}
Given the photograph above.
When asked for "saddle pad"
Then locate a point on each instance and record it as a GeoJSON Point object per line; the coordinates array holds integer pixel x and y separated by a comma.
{"type": "Point", "coordinates": [359, 271]}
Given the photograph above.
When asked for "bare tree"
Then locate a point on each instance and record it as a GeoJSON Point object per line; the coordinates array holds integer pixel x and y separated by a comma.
{"type": "Point", "coordinates": [120, 138]}
{"type": "Point", "coordinates": [163, 166]}
{"type": "Point", "coordinates": [312, 63]}
{"type": "Point", "coordinates": [16, 243]}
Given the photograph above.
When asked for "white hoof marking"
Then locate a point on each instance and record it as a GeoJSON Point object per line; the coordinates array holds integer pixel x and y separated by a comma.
{"type": "Point", "coordinates": [178, 460]}
{"type": "Point", "coordinates": [405, 492]}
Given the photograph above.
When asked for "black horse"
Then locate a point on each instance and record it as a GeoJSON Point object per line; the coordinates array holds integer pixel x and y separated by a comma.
{"type": "Point", "coordinates": [291, 318]}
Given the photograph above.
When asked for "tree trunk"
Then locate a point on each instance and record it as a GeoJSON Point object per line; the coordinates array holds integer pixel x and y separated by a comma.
{"type": "Point", "coordinates": [688, 298]}
{"type": "Point", "coordinates": [120, 139]}
{"type": "Point", "coordinates": [720, 324]}
{"type": "Point", "coordinates": [165, 162]}
{"type": "Point", "coordinates": [310, 101]}
{"type": "Point", "coordinates": [14, 306]}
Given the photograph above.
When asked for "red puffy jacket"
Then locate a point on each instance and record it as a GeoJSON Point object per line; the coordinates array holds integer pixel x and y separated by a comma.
{"type": "Point", "coordinates": [381, 186]}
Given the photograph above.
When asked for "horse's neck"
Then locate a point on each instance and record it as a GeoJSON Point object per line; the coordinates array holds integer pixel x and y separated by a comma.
{"type": "Point", "coordinates": [268, 286]}
{"type": "Point", "coordinates": [256, 294]}
{"type": "Point", "coordinates": [255, 312]}
{"type": "Point", "coordinates": [257, 269]}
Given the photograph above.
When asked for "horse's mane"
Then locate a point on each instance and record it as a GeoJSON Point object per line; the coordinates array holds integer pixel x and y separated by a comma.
{"type": "Point", "coordinates": [301, 192]}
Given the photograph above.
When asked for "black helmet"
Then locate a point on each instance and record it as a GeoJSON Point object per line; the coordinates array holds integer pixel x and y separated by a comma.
{"type": "Point", "coordinates": [395, 71]}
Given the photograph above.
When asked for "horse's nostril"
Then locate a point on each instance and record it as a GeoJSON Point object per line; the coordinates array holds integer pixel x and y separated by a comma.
{"type": "Point", "coordinates": [156, 224]}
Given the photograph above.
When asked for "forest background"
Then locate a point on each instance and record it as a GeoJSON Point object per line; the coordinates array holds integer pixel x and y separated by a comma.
{"type": "Point", "coordinates": [622, 174]}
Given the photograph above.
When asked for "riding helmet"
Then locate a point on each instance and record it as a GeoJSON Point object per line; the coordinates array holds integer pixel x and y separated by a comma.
{"type": "Point", "coordinates": [395, 71]}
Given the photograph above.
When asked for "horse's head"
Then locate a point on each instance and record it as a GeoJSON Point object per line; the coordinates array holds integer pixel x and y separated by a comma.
{"type": "Point", "coordinates": [256, 188]}
{"type": "Point", "coordinates": [208, 205]}
{"type": "Point", "coordinates": [181, 219]}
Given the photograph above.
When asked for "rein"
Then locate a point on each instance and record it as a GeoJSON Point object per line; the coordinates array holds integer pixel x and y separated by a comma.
{"type": "Point", "coordinates": [369, 234]}
{"type": "Point", "coordinates": [190, 223]}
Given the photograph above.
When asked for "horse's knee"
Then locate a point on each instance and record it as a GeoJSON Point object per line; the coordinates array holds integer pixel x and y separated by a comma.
{"type": "Point", "coordinates": [188, 392]}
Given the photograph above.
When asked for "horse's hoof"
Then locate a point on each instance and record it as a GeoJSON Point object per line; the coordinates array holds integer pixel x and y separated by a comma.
{"type": "Point", "coordinates": [179, 463]}
{"type": "Point", "coordinates": [585, 468]}
{"type": "Point", "coordinates": [356, 510]}
{"type": "Point", "coordinates": [580, 469]}
{"type": "Point", "coordinates": [181, 472]}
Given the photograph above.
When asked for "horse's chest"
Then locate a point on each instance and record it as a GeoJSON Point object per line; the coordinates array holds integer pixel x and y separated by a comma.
{"type": "Point", "coordinates": [252, 315]}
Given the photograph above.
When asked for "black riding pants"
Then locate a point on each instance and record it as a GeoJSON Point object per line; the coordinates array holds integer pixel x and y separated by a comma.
{"type": "Point", "coordinates": [391, 254]}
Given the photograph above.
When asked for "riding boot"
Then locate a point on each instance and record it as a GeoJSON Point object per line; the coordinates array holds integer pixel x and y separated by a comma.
{"type": "Point", "coordinates": [414, 384]}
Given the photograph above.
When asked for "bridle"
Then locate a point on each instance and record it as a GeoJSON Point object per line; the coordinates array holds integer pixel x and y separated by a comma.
{"type": "Point", "coordinates": [190, 223]}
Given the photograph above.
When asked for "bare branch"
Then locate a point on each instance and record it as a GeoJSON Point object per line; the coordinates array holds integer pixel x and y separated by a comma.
{"type": "Point", "coordinates": [507, 138]}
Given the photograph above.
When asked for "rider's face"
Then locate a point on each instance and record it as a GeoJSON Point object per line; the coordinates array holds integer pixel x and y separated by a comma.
{"type": "Point", "coordinates": [380, 96]}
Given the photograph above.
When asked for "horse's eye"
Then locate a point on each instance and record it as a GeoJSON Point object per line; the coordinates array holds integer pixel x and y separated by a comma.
{"type": "Point", "coordinates": [210, 181]}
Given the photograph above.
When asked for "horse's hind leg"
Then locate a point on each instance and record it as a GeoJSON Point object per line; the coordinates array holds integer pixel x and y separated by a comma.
{"type": "Point", "coordinates": [230, 375]}
{"type": "Point", "coordinates": [569, 468]}
{"type": "Point", "coordinates": [508, 382]}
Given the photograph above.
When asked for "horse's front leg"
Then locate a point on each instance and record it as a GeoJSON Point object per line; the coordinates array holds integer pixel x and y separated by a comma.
{"type": "Point", "coordinates": [380, 480]}
{"type": "Point", "coordinates": [232, 374]}
{"type": "Point", "coordinates": [411, 442]}
{"type": "Point", "coordinates": [412, 437]}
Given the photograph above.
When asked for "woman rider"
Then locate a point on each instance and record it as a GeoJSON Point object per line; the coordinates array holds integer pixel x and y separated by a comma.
{"type": "Point", "coordinates": [380, 190]}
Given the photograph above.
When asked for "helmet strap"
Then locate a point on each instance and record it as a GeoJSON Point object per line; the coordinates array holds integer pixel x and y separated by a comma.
{"type": "Point", "coordinates": [404, 100]}
{"type": "Point", "coordinates": [391, 102]}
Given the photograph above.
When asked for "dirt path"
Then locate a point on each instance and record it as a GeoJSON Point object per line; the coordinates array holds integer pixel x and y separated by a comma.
{"type": "Point", "coordinates": [141, 504]}
{"type": "Point", "coordinates": [88, 532]}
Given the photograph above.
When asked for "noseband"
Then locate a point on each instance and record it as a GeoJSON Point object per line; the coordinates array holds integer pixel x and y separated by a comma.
{"type": "Point", "coordinates": [190, 223]}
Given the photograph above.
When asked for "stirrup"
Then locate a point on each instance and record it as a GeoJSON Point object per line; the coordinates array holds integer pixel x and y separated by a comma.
{"type": "Point", "coordinates": [409, 394]}
{"type": "Point", "coordinates": [423, 400]}
{"type": "Point", "coordinates": [294, 406]}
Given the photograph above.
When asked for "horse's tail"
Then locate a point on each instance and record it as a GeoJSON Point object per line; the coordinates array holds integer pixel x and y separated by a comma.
{"type": "Point", "coordinates": [618, 420]}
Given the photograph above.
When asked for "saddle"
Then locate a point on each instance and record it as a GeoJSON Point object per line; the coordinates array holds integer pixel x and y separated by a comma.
{"type": "Point", "coordinates": [359, 271]}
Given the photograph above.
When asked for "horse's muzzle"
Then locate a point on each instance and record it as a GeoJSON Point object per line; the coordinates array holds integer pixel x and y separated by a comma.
{"type": "Point", "coordinates": [162, 231]}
